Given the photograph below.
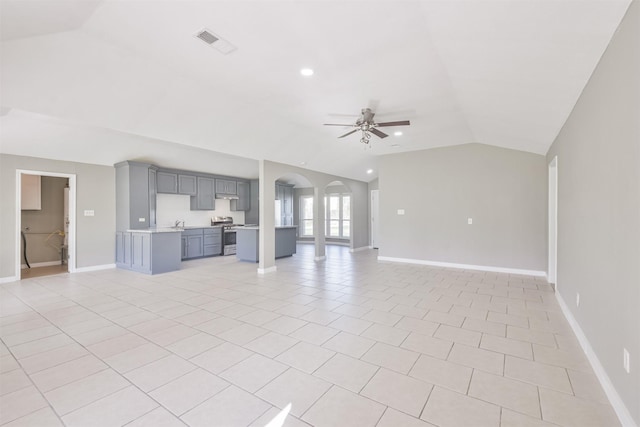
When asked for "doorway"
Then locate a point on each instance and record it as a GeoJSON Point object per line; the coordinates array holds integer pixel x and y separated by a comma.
{"type": "Point", "coordinates": [375, 228]}
{"type": "Point", "coordinates": [553, 223]}
{"type": "Point", "coordinates": [56, 235]}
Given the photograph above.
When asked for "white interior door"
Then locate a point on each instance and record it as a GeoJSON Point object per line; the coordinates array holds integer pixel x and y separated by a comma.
{"type": "Point", "coordinates": [375, 228]}
{"type": "Point", "coordinates": [553, 222]}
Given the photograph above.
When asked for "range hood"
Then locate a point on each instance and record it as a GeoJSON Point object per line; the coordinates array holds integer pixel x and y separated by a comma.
{"type": "Point", "coordinates": [226, 196]}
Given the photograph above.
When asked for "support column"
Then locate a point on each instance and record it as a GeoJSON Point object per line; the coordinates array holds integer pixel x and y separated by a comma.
{"type": "Point", "coordinates": [267, 231]}
{"type": "Point", "coordinates": [319, 223]}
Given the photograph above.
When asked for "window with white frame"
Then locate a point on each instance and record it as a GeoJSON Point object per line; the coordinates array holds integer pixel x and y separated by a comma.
{"type": "Point", "coordinates": [338, 216]}
{"type": "Point", "coordinates": [306, 216]}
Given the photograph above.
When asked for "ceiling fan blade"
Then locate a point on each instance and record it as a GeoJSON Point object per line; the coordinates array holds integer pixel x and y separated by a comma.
{"type": "Point", "coordinates": [335, 124]}
{"type": "Point", "coordinates": [348, 133]}
{"type": "Point", "coordinates": [377, 133]}
{"type": "Point", "coordinates": [398, 123]}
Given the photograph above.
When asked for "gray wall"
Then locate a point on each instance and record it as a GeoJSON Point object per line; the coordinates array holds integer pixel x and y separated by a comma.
{"type": "Point", "coordinates": [503, 191]}
{"type": "Point", "coordinates": [95, 185]}
{"type": "Point", "coordinates": [598, 154]}
{"type": "Point", "coordinates": [45, 221]}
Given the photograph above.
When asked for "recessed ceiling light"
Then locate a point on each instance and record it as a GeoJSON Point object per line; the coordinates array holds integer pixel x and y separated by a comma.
{"type": "Point", "coordinates": [395, 145]}
{"type": "Point", "coordinates": [306, 72]}
{"type": "Point", "coordinates": [369, 171]}
{"type": "Point", "coordinates": [303, 163]}
{"type": "Point", "coordinates": [397, 133]}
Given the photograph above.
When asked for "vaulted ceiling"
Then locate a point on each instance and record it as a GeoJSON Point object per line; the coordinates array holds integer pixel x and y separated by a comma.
{"type": "Point", "coordinates": [104, 81]}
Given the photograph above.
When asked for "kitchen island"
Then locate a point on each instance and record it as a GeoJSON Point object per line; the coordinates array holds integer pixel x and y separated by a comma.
{"type": "Point", "coordinates": [247, 239]}
{"type": "Point", "coordinates": [150, 251]}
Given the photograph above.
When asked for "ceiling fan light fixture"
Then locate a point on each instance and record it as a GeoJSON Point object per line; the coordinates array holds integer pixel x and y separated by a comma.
{"type": "Point", "coordinates": [369, 171]}
{"type": "Point", "coordinates": [307, 72]}
{"type": "Point", "coordinates": [397, 133]}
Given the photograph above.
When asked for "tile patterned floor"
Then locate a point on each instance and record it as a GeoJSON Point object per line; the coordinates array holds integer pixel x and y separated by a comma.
{"type": "Point", "coordinates": [348, 342]}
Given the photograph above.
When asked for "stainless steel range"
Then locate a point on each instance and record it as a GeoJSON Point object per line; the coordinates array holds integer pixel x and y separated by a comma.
{"type": "Point", "coordinates": [228, 233]}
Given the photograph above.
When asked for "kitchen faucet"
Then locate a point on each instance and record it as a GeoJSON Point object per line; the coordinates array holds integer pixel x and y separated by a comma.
{"type": "Point", "coordinates": [177, 224]}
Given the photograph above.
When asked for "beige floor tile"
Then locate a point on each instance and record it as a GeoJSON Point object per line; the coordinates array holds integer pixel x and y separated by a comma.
{"type": "Point", "coordinates": [231, 407]}
{"type": "Point", "coordinates": [254, 372]}
{"type": "Point", "coordinates": [484, 326]}
{"type": "Point", "coordinates": [30, 335]}
{"type": "Point", "coordinates": [153, 326]}
{"type": "Point", "coordinates": [321, 317]}
{"type": "Point", "coordinates": [289, 421]}
{"type": "Point", "coordinates": [314, 334]}
{"type": "Point", "coordinates": [386, 334]}
{"type": "Point", "coordinates": [469, 312]}
{"type": "Point", "coordinates": [351, 325]}
{"type": "Point", "coordinates": [193, 345]}
{"type": "Point", "coordinates": [382, 317]}
{"type": "Point", "coordinates": [537, 373]}
{"type": "Point", "coordinates": [508, 319]}
{"type": "Point", "coordinates": [68, 372]}
{"type": "Point", "coordinates": [444, 318]}
{"type": "Point", "coordinates": [136, 357]}
{"type": "Point", "coordinates": [159, 417]}
{"type": "Point", "coordinates": [271, 344]}
{"type": "Point", "coordinates": [512, 394]}
{"type": "Point", "coordinates": [305, 357]}
{"type": "Point", "coordinates": [565, 359]}
{"type": "Point", "coordinates": [294, 310]}
{"type": "Point", "coordinates": [13, 380]}
{"type": "Point", "coordinates": [351, 345]}
{"type": "Point", "coordinates": [196, 318]}
{"type": "Point", "coordinates": [57, 356]}
{"type": "Point", "coordinates": [462, 336]}
{"type": "Point", "coordinates": [485, 360]}
{"type": "Point", "coordinates": [295, 387]}
{"type": "Point", "coordinates": [259, 317]}
{"type": "Point", "coordinates": [563, 409]}
{"type": "Point", "coordinates": [340, 407]}
{"type": "Point", "coordinates": [407, 311]}
{"type": "Point", "coordinates": [8, 363]}
{"type": "Point", "coordinates": [445, 374]}
{"type": "Point", "coordinates": [531, 336]}
{"type": "Point", "coordinates": [508, 346]}
{"type": "Point", "coordinates": [221, 357]}
{"type": "Point", "coordinates": [79, 393]}
{"type": "Point", "coordinates": [116, 345]}
{"type": "Point", "coordinates": [20, 403]}
{"type": "Point", "coordinates": [447, 408]}
{"type": "Point", "coordinates": [44, 417]}
{"type": "Point", "coordinates": [347, 372]}
{"type": "Point", "coordinates": [242, 334]}
{"type": "Point", "coordinates": [160, 372]}
{"type": "Point", "coordinates": [427, 345]}
{"type": "Point", "coordinates": [398, 391]}
{"type": "Point", "coordinates": [393, 418]}
{"type": "Point", "coordinates": [586, 386]}
{"type": "Point", "coordinates": [352, 310]}
{"type": "Point", "coordinates": [171, 335]}
{"type": "Point", "coordinates": [117, 409]}
{"type": "Point", "coordinates": [188, 391]}
{"type": "Point", "coordinates": [41, 345]}
{"type": "Point", "coordinates": [394, 358]}
{"type": "Point", "coordinates": [515, 419]}
{"type": "Point", "coordinates": [98, 335]}
{"type": "Point", "coordinates": [284, 325]}
{"type": "Point", "coordinates": [219, 325]}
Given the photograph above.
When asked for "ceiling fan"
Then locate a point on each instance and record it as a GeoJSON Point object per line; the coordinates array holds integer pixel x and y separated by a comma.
{"type": "Point", "coordinates": [368, 126]}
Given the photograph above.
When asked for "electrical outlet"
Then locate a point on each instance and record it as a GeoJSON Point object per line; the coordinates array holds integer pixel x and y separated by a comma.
{"type": "Point", "coordinates": [578, 299]}
{"type": "Point", "coordinates": [89, 213]}
{"type": "Point", "coordinates": [400, 211]}
{"type": "Point", "coordinates": [626, 360]}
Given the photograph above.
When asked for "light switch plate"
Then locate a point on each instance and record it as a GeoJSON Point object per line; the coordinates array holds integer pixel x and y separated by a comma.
{"type": "Point", "coordinates": [89, 213]}
{"type": "Point", "coordinates": [400, 211]}
{"type": "Point", "coordinates": [469, 221]}
{"type": "Point", "coordinates": [142, 219]}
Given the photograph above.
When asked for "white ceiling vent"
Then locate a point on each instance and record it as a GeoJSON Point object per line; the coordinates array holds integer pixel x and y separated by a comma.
{"type": "Point", "coordinates": [215, 41]}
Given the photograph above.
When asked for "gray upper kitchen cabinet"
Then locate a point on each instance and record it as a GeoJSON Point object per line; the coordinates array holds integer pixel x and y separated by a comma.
{"type": "Point", "coordinates": [226, 186]}
{"type": "Point", "coordinates": [135, 196]}
{"type": "Point", "coordinates": [167, 182]}
{"type": "Point", "coordinates": [187, 184]}
{"type": "Point", "coordinates": [244, 197]}
{"type": "Point", "coordinates": [205, 199]}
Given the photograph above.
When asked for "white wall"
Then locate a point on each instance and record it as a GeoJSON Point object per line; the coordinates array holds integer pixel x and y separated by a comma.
{"type": "Point", "coordinates": [503, 191]}
{"type": "Point", "coordinates": [173, 207]}
{"type": "Point", "coordinates": [598, 152]}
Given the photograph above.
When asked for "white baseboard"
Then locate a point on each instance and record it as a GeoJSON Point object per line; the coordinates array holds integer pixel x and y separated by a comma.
{"type": "Point", "coordinates": [614, 398]}
{"type": "Point", "coordinates": [465, 266]}
{"type": "Point", "coordinates": [9, 279]}
{"type": "Point", "coordinates": [41, 264]}
{"type": "Point", "coordinates": [320, 258]}
{"type": "Point", "coordinates": [271, 269]}
{"type": "Point", "coordinates": [361, 248]}
{"type": "Point", "coordinates": [94, 268]}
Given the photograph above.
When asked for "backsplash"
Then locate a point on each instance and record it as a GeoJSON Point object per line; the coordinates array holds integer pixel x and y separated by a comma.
{"type": "Point", "coordinates": [173, 207]}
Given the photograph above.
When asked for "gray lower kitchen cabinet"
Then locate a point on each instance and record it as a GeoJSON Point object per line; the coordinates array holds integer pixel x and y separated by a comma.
{"type": "Point", "coordinates": [187, 184]}
{"type": "Point", "coordinates": [243, 203]}
{"type": "Point", "coordinates": [148, 252]}
{"type": "Point", "coordinates": [205, 199]}
{"type": "Point", "coordinates": [167, 182]}
{"type": "Point", "coordinates": [226, 186]}
{"type": "Point", "coordinates": [212, 241]}
{"type": "Point", "coordinates": [201, 242]}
